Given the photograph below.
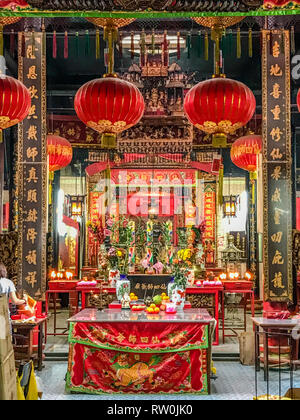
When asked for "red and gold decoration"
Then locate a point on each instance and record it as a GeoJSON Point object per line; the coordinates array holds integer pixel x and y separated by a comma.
{"type": "Point", "coordinates": [15, 102]}
{"type": "Point", "coordinates": [111, 32]}
{"type": "Point", "coordinates": [32, 164]}
{"type": "Point", "coordinates": [219, 106]}
{"type": "Point", "coordinates": [209, 235]}
{"type": "Point", "coordinates": [109, 106]}
{"type": "Point", "coordinates": [298, 100]}
{"type": "Point", "coordinates": [280, 4]}
{"type": "Point", "coordinates": [218, 21]}
{"type": "Point", "coordinates": [245, 152]}
{"type": "Point", "coordinates": [5, 21]}
{"type": "Point", "coordinates": [147, 358]}
{"type": "Point", "coordinates": [276, 169]}
{"type": "Point", "coordinates": [59, 151]}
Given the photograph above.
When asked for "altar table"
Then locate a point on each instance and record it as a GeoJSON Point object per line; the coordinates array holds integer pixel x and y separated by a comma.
{"type": "Point", "coordinates": [120, 351]}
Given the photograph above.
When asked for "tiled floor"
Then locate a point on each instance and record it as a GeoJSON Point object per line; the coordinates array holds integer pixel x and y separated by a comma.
{"type": "Point", "coordinates": [234, 382]}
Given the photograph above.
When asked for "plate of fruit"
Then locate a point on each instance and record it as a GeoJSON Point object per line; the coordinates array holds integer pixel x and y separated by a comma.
{"type": "Point", "coordinates": [138, 307]}
{"type": "Point", "coordinates": [133, 297]}
{"type": "Point", "coordinates": [152, 309]}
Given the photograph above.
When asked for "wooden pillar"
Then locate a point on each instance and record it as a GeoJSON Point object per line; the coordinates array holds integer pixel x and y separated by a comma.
{"type": "Point", "coordinates": [32, 170]}
{"type": "Point", "coordinates": [277, 177]}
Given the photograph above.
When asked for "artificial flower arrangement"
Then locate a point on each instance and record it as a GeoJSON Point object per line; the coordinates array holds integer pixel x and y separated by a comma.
{"type": "Point", "coordinates": [120, 231]}
{"type": "Point", "coordinates": [199, 231]}
{"type": "Point", "coordinates": [181, 266]}
{"type": "Point", "coordinates": [118, 259]}
{"type": "Point", "coordinates": [97, 230]}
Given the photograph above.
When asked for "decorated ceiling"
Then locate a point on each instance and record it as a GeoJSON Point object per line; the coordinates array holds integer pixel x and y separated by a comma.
{"type": "Point", "coordinates": [160, 8]}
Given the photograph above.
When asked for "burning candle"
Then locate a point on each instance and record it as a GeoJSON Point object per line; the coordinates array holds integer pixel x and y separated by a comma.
{"type": "Point", "coordinates": [248, 275]}
{"type": "Point", "coordinates": [69, 275]}
{"type": "Point", "coordinates": [53, 275]}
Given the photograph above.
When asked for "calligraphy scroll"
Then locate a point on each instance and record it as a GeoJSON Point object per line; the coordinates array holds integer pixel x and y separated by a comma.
{"type": "Point", "coordinates": [277, 167]}
{"type": "Point", "coordinates": [209, 235]}
{"type": "Point", "coordinates": [32, 171]}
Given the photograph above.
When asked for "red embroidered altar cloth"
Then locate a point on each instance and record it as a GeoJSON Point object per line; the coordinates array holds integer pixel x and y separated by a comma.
{"type": "Point", "coordinates": [138, 357]}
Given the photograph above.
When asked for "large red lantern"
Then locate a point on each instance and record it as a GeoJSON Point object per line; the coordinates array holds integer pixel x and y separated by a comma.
{"type": "Point", "coordinates": [245, 152]}
{"type": "Point", "coordinates": [109, 106]}
{"type": "Point", "coordinates": [219, 106]}
{"type": "Point", "coordinates": [15, 101]}
{"type": "Point", "coordinates": [59, 151]}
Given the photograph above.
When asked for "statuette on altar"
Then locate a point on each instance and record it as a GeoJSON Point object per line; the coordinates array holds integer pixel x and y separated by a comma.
{"type": "Point", "coordinates": [125, 301]}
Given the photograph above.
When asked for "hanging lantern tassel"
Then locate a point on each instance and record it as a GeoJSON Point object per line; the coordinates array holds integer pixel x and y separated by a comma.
{"type": "Point", "coordinates": [282, 46]}
{"type": "Point", "coordinates": [253, 177]}
{"type": "Point", "coordinates": [1, 41]}
{"type": "Point", "coordinates": [250, 44]}
{"type": "Point", "coordinates": [199, 44]}
{"type": "Point", "coordinates": [12, 43]}
{"type": "Point", "coordinates": [87, 43]}
{"type": "Point", "coordinates": [66, 46]}
{"type": "Point", "coordinates": [206, 46]}
{"type": "Point", "coordinates": [54, 45]}
{"type": "Point", "coordinates": [132, 46]}
{"type": "Point", "coordinates": [189, 42]}
{"type": "Point", "coordinates": [23, 45]}
{"type": "Point", "coordinates": [238, 44]}
{"type": "Point", "coordinates": [97, 44]}
{"type": "Point", "coordinates": [221, 183]}
{"type": "Point", "coordinates": [121, 44]}
{"type": "Point", "coordinates": [51, 179]}
{"type": "Point", "coordinates": [230, 42]}
{"type": "Point", "coordinates": [77, 44]}
{"type": "Point", "coordinates": [33, 41]}
{"type": "Point", "coordinates": [143, 48]}
{"type": "Point", "coordinates": [293, 45]}
{"type": "Point", "coordinates": [44, 39]}
{"type": "Point", "coordinates": [165, 48]}
{"type": "Point", "coordinates": [111, 36]}
{"type": "Point", "coordinates": [153, 42]}
{"type": "Point", "coordinates": [178, 46]}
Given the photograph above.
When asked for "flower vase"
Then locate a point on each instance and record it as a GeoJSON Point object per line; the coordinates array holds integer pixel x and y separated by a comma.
{"type": "Point", "coordinates": [113, 277]}
{"type": "Point", "coordinates": [122, 287]}
{"type": "Point", "coordinates": [177, 295]}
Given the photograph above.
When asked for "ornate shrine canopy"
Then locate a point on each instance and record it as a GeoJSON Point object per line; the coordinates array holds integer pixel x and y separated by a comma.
{"type": "Point", "coordinates": [147, 8]}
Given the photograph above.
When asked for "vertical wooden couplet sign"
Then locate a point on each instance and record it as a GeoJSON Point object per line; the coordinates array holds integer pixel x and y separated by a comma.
{"type": "Point", "coordinates": [32, 170]}
{"type": "Point", "coordinates": [277, 183]}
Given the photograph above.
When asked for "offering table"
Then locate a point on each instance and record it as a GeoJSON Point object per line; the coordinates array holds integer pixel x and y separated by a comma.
{"type": "Point", "coordinates": [120, 351]}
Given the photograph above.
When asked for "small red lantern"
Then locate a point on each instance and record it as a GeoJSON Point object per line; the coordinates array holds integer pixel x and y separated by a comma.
{"type": "Point", "coordinates": [244, 152]}
{"type": "Point", "coordinates": [60, 152]}
{"type": "Point", "coordinates": [298, 100]}
{"type": "Point", "coordinates": [219, 106]}
{"type": "Point", "coordinates": [15, 101]}
{"type": "Point", "coordinates": [109, 106]}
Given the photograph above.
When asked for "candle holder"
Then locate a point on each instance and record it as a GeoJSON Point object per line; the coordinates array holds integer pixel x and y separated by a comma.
{"type": "Point", "coordinates": [98, 299]}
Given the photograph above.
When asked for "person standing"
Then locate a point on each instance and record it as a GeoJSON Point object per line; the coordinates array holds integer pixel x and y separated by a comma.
{"type": "Point", "coordinates": [8, 288]}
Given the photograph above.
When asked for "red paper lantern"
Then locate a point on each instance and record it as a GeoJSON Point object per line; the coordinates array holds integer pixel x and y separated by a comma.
{"type": "Point", "coordinates": [298, 100]}
{"type": "Point", "coordinates": [15, 101]}
{"type": "Point", "coordinates": [245, 151]}
{"type": "Point", "coordinates": [219, 106]}
{"type": "Point", "coordinates": [109, 106]}
{"type": "Point", "coordinates": [60, 152]}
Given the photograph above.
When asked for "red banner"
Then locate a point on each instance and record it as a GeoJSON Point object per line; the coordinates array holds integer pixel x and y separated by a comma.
{"type": "Point", "coordinates": [95, 371]}
{"type": "Point", "coordinates": [145, 337]}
